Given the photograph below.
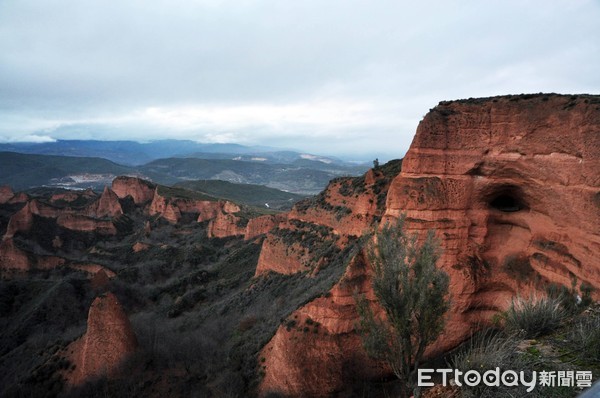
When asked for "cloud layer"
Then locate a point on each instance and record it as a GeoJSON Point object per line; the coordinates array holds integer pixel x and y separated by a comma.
{"type": "Point", "coordinates": [335, 77]}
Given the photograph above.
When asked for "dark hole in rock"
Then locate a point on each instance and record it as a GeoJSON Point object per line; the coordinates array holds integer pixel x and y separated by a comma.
{"type": "Point", "coordinates": [506, 202]}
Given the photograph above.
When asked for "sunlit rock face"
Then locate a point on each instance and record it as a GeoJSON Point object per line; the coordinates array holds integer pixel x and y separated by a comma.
{"type": "Point", "coordinates": [140, 191]}
{"type": "Point", "coordinates": [316, 352]}
{"type": "Point", "coordinates": [511, 185]}
{"type": "Point", "coordinates": [106, 206]}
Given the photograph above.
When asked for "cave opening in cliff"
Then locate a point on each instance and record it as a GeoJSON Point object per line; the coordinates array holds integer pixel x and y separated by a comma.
{"type": "Point", "coordinates": [506, 202]}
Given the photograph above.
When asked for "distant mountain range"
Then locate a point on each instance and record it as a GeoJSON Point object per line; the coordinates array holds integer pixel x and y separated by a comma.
{"type": "Point", "coordinates": [84, 164]}
{"type": "Point", "coordinates": [133, 153]}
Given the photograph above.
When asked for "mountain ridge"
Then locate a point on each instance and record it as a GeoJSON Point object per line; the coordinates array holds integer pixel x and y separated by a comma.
{"type": "Point", "coordinates": [26, 171]}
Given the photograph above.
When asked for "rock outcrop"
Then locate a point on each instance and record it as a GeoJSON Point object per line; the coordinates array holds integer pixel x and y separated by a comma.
{"type": "Point", "coordinates": [22, 220]}
{"type": "Point", "coordinates": [321, 362]}
{"type": "Point", "coordinates": [93, 269]}
{"type": "Point", "coordinates": [173, 208]}
{"type": "Point", "coordinates": [11, 257]}
{"type": "Point", "coordinates": [164, 207]}
{"type": "Point", "coordinates": [226, 224]}
{"type": "Point", "coordinates": [348, 207]}
{"type": "Point", "coordinates": [81, 223]}
{"type": "Point", "coordinates": [108, 341]}
{"type": "Point", "coordinates": [328, 356]}
{"type": "Point", "coordinates": [103, 215]}
{"type": "Point", "coordinates": [20, 197]}
{"type": "Point", "coordinates": [141, 191]}
{"type": "Point", "coordinates": [263, 224]}
{"type": "Point", "coordinates": [511, 185]}
{"type": "Point", "coordinates": [6, 194]}
{"type": "Point", "coordinates": [106, 206]}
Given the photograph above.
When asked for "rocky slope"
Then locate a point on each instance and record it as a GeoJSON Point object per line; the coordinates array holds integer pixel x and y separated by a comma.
{"type": "Point", "coordinates": [78, 214]}
{"type": "Point", "coordinates": [511, 187]}
{"type": "Point", "coordinates": [316, 351]}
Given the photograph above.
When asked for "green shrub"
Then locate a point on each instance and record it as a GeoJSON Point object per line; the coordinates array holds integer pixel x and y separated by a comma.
{"type": "Point", "coordinates": [586, 337]}
{"type": "Point", "coordinates": [487, 350]}
{"type": "Point", "coordinates": [571, 301]}
{"type": "Point", "coordinates": [534, 317]}
{"type": "Point", "coordinates": [490, 349]}
{"type": "Point", "coordinates": [413, 293]}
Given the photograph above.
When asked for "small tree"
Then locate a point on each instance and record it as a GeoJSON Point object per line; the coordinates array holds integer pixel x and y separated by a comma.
{"type": "Point", "coordinates": [413, 294]}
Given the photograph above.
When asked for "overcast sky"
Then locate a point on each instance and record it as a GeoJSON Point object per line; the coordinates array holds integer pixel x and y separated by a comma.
{"type": "Point", "coordinates": [330, 77]}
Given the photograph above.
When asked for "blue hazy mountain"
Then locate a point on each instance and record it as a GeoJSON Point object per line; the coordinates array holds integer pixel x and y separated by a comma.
{"type": "Point", "coordinates": [133, 153]}
{"type": "Point", "coordinates": [93, 164]}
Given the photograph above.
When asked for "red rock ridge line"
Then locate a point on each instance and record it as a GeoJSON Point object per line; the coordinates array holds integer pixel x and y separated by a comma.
{"type": "Point", "coordinates": [347, 208]}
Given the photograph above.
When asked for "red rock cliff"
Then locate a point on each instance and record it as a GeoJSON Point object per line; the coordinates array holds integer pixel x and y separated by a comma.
{"type": "Point", "coordinates": [329, 359]}
{"type": "Point", "coordinates": [106, 206]}
{"type": "Point", "coordinates": [11, 257]}
{"type": "Point", "coordinates": [511, 186]}
{"type": "Point", "coordinates": [164, 207]}
{"type": "Point", "coordinates": [347, 207]}
{"type": "Point", "coordinates": [6, 194]}
{"type": "Point", "coordinates": [108, 341]}
{"type": "Point", "coordinates": [141, 191]}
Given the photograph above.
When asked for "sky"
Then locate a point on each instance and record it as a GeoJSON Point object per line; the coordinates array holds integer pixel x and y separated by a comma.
{"type": "Point", "coordinates": [336, 77]}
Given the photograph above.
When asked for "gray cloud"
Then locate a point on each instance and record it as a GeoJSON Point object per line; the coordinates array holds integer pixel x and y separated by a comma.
{"type": "Point", "coordinates": [327, 76]}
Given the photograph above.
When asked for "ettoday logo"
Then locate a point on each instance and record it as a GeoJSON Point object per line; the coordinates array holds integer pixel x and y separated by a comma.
{"type": "Point", "coordinates": [509, 378]}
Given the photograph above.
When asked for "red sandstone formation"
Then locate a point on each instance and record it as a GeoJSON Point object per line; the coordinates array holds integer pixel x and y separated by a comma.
{"type": "Point", "coordinates": [99, 281]}
{"type": "Point", "coordinates": [20, 197]}
{"type": "Point", "coordinates": [171, 209]}
{"type": "Point", "coordinates": [511, 185]}
{"type": "Point", "coordinates": [6, 194]}
{"type": "Point", "coordinates": [68, 197]}
{"type": "Point", "coordinates": [11, 257]}
{"type": "Point", "coordinates": [93, 269]}
{"type": "Point", "coordinates": [344, 209]}
{"type": "Point", "coordinates": [224, 225]}
{"type": "Point", "coordinates": [229, 207]}
{"type": "Point", "coordinates": [76, 220]}
{"type": "Point", "coordinates": [164, 207]}
{"type": "Point", "coordinates": [140, 246]}
{"type": "Point", "coordinates": [263, 224]}
{"type": "Point", "coordinates": [106, 206]}
{"type": "Point", "coordinates": [108, 341]}
{"type": "Point", "coordinates": [277, 256]}
{"type": "Point", "coordinates": [82, 223]}
{"type": "Point", "coordinates": [140, 191]}
{"type": "Point", "coordinates": [208, 210]}
{"type": "Point", "coordinates": [14, 259]}
{"type": "Point", "coordinates": [321, 361]}
{"type": "Point", "coordinates": [22, 220]}
{"type": "Point", "coordinates": [44, 210]}
{"type": "Point", "coordinates": [349, 207]}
